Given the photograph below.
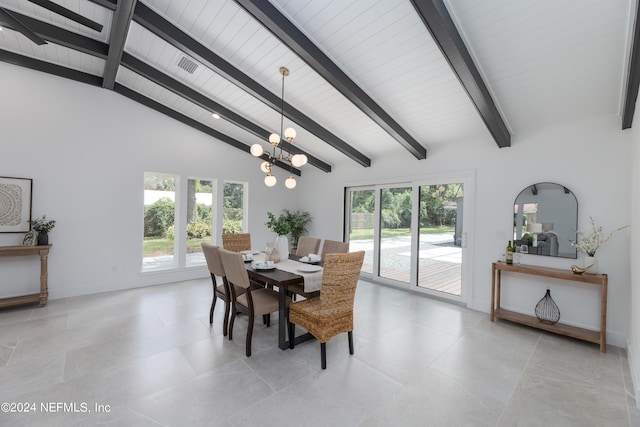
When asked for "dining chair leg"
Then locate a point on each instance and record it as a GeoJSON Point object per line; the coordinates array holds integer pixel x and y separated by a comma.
{"type": "Point", "coordinates": [323, 354]}
{"type": "Point", "coordinates": [268, 319]}
{"type": "Point", "coordinates": [213, 305]}
{"type": "Point", "coordinates": [249, 334]}
{"type": "Point", "coordinates": [225, 325]}
{"type": "Point", "coordinates": [233, 318]}
{"type": "Point", "coordinates": [350, 335]}
{"type": "Point", "coordinates": [264, 319]}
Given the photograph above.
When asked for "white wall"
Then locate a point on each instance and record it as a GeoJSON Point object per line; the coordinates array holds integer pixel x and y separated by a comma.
{"type": "Point", "coordinates": [634, 254]}
{"type": "Point", "coordinates": [590, 158]}
{"type": "Point", "coordinates": [86, 150]}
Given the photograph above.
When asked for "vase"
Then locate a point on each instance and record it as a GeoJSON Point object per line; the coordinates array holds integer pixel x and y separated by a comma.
{"type": "Point", "coordinates": [271, 252]}
{"type": "Point", "coordinates": [282, 246]}
{"type": "Point", "coordinates": [43, 239]}
{"type": "Point", "coordinates": [592, 263]}
{"type": "Point", "coordinates": [547, 310]}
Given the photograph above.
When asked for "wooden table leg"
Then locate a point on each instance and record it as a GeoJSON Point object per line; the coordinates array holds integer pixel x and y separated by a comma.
{"type": "Point", "coordinates": [282, 318]}
{"type": "Point", "coordinates": [603, 317]}
{"type": "Point", "coordinates": [493, 290]}
{"type": "Point", "coordinates": [44, 287]}
{"type": "Point", "coordinates": [498, 288]}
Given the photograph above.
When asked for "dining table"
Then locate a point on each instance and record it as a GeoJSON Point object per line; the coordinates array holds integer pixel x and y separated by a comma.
{"type": "Point", "coordinates": [285, 274]}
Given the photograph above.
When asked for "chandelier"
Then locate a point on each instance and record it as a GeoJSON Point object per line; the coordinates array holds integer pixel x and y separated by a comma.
{"type": "Point", "coordinates": [277, 152]}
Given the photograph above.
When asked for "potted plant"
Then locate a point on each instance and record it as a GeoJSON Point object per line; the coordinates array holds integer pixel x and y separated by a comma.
{"type": "Point", "coordinates": [298, 222]}
{"type": "Point", "coordinates": [280, 225]}
{"type": "Point", "coordinates": [43, 226]}
{"type": "Point", "coordinates": [589, 244]}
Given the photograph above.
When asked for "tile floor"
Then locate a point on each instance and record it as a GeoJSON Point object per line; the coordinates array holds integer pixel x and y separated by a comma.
{"type": "Point", "coordinates": [148, 357]}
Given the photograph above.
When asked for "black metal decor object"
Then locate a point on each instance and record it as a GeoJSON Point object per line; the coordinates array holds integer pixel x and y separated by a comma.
{"type": "Point", "coordinates": [547, 310]}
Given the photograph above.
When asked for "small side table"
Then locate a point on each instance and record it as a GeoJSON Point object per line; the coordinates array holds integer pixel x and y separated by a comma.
{"type": "Point", "coordinates": [43, 252]}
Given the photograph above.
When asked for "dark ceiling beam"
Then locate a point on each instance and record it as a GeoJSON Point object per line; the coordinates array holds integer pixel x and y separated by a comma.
{"type": "Point", "coordinates": [107, 4]}
{"type": "Point", "coordinates": [150, 103]}
{"type": "Point", "coordinates": [10, 20]}
{"type": "Point", "coordinates": [117, 37]}
{"type": "Point", "coordinates": [49, 68]}
{"type": "Point", "coordinates": [64, 37]}
{"type": "Point", "coordinates": [633, 77]}
{"type": "Point", "coordinates": [271, 18]}
{"type": "Point", "coordinates": [69, 14]}
{"type": "Point", "coordinates": [180, 40]}
{"type": "Point", "coordinates": [436, 18]}
{"type": "Point", "coordinates": [156, 76]}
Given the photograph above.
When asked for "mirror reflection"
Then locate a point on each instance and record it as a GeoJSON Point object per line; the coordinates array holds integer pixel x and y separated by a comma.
{"type": "Point", "coordinates": [545, 220]}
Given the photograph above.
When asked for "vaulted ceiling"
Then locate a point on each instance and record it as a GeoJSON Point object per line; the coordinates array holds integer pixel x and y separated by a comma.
{"type": "Point", "coordinates": [368, 79]}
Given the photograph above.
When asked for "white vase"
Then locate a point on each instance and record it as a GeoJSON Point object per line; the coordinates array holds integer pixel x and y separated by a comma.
{"type": "Point", "coordinates": [592, 262]}
{"type": "Point", "coordinates": [282, 246]}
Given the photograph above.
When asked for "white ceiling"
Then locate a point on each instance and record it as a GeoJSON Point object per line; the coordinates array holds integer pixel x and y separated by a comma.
{"type": "Point", "coordinates": [543, 62]}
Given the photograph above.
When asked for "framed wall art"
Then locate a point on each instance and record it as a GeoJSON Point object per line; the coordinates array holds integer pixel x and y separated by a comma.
{"type": "Point", "coordinates": [15, 204]}
{"type": "Point", "coordinates": [30, 238]}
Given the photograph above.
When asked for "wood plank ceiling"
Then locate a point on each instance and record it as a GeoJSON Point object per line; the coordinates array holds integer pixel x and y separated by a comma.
{"type": "Point", "coordinates": [369, 79]}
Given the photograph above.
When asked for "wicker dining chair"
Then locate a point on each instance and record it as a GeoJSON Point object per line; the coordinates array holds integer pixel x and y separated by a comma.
{"type": "Point", "coordinates": [255, 300]}
{"type": "Point", "coordinates": [334, 247]}
{"type": "Point", "coordinates": [237, 242]}
{"type": "Point", "coordinates": [216, 269]}
{"type": "Point", "coordinates": [331, 313]}
{"type": "Point", "coordinates": [308, 245]}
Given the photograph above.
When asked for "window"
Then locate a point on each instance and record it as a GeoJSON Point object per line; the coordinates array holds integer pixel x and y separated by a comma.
{"type": "Point", "coordinates": [234, 219]}
{"type": "Point", "coordinates": [159, 217]}
{"type": "Point", "coordinates": [179, 215]}
{"type": "Point", "coordinates": [199, 219]}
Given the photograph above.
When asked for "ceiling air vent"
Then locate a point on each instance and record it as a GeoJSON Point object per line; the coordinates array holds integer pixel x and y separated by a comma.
{"type": "Point", "coordinates": [188, 65]}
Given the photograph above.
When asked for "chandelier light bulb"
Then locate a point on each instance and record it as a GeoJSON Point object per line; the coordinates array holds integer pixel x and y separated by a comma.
{"type": "Point", "coordinates": [257, 150]}
{"type": "Point", "coordinates": [265, 167]}
{"type": "Point", "coordinates": [289, 134]}
{"type": "Point", "coordinates": [290, 182]}
{"type": "Point", "coordinates": [274, 139]}
{"type": "Point", "coordinates": [270, 180]}
{"type": "Point", "coordinates": [299, 160]}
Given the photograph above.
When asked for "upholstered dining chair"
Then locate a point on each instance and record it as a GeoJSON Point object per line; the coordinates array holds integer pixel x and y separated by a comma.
{"type": "Point", "coordinates": [330, 313]}
{"type": "Point", "coordinates": [334, 247]}
{"type": "Point", "coordinates": [307, 245]}
{"type": "Point", "coordinates": [237, 242]}
{"type": "Point", "coordinates": [255, 300]}
{"type": "Point", "coordinates": [214, 263]}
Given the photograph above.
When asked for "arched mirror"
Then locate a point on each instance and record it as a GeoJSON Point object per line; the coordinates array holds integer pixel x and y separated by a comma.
{"type": "Point", "coordinates": [545, 220]}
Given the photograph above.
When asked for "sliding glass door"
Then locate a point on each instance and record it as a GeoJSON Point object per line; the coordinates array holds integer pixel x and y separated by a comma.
{"type": "Point", "coordinates": [413, 234]}
{"type": "Point", "coordinates": [395, 233]}
{"type": "Point", "coordinates": [440, 244]}
{"type": "Point", "coordinates": [361, 223]}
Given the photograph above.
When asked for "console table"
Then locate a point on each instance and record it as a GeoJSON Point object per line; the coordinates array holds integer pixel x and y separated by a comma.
{"type": "Point", "coordinates": [41, 297]}
{"type": "Point", "coordinates": [598, 337]}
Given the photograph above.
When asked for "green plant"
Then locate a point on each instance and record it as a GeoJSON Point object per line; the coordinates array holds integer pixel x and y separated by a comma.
{"type": "Point", "coordinates": [279, 225]}
{"type": "Point", "coordinates": [231, 226]}
{"type": "Point", "coordinates": [198, 230]}
{"type": "Point", "coordinates": [168, 234]}
{"type": "Point", "coordinates": [298, 222]}
{"type": "Point", "coordinates": [42, 225]}
{"type": "Point", "coordinates": [158, 217]}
